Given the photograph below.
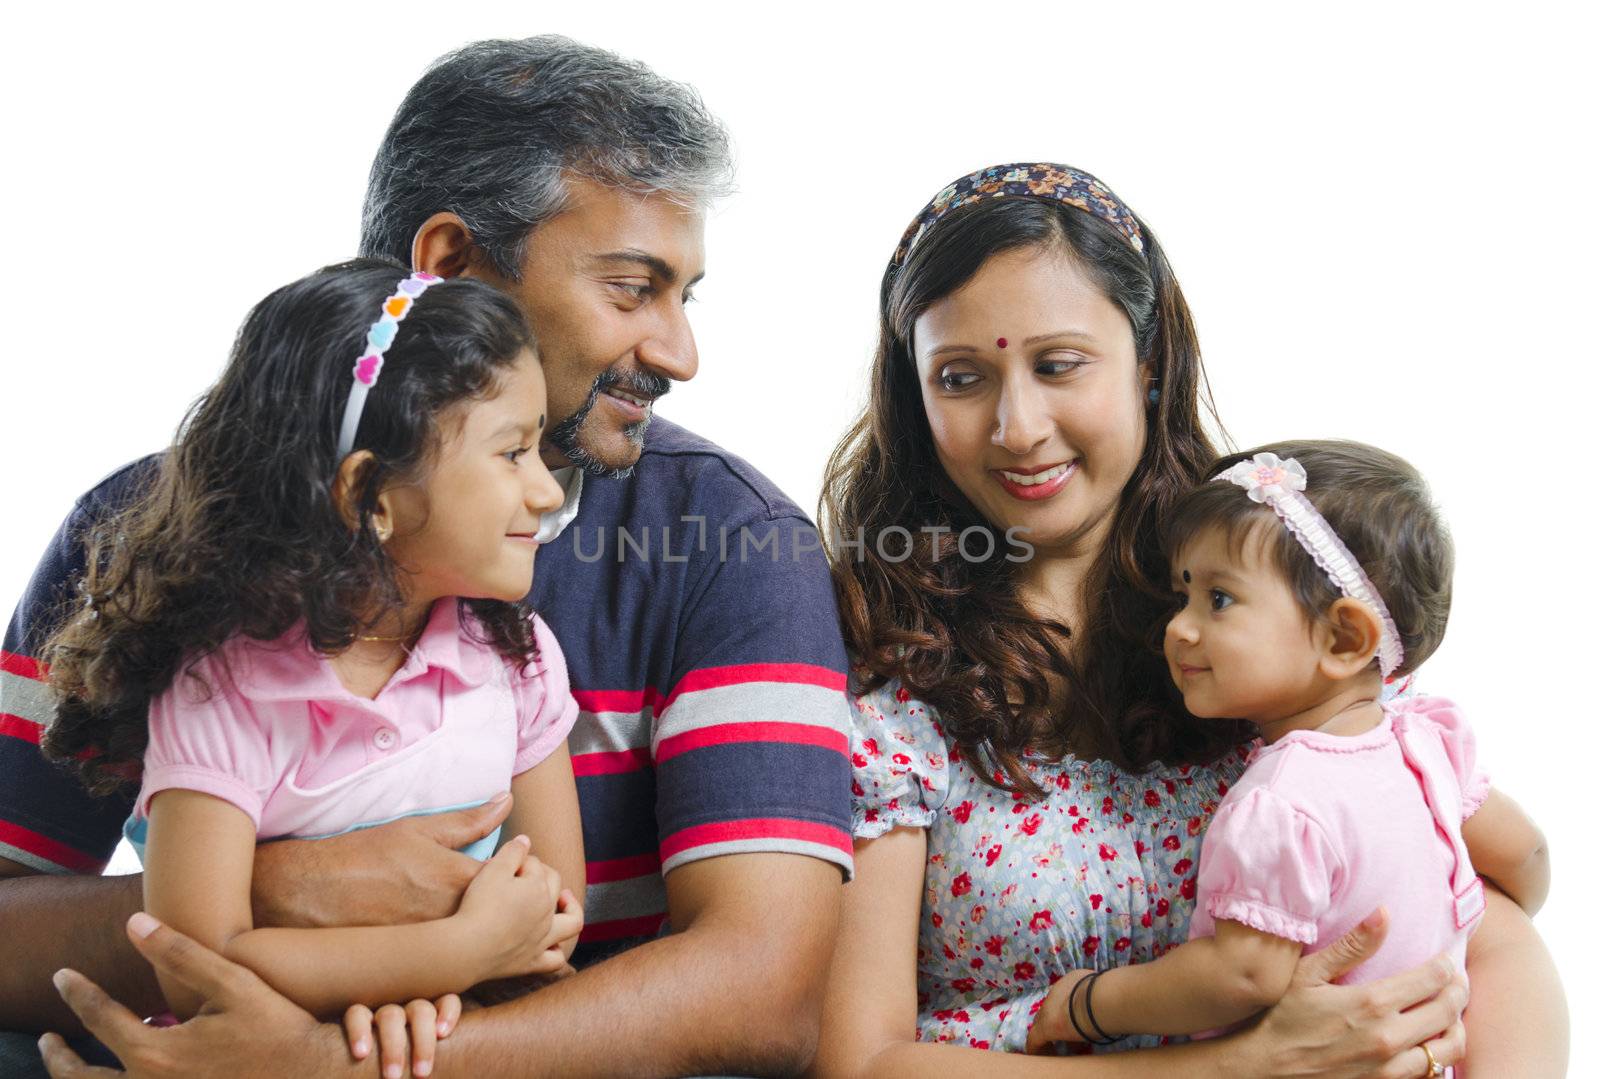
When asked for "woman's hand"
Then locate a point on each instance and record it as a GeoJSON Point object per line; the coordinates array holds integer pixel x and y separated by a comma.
{"type": "Point", "coordinates": [1052, 1023]}
{"type": "Point", "coordinates": [426, 1021]}
{"type": "Point", "coordinates": [515, 915]}
{"type": "Point", "coordinates": [1374, 1029]}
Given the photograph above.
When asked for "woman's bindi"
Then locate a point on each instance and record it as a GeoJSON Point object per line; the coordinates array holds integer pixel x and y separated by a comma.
{"type": "Point", "coordinates": [1000, 342]}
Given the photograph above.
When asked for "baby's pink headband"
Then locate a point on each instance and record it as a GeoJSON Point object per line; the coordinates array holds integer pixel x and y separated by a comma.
{"type": "Point", "coordinates": [379, 337]}
{"type": "Point", "coordinates": [1279, 483]}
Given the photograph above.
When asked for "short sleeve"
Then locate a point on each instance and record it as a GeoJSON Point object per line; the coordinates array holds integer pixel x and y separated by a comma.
{"type": "Point", "coordinates": [546, 709]}
{"type": "Point", "coordinates": [205, 738]}
{"type": "Point", "coordinates": [749, 742]}
{"type": "Point", "coordinates": [1268, 865]}
{"type": "Point", "coordinates": [48, 821]}
{"type": "Point", "coordinates": [900, 763]}
{"type": "Point", "coordinates": [1445, 719]}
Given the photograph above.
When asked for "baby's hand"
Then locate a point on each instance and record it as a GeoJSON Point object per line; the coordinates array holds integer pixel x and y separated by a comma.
{"type": "Point", "coordinates": [1051, 1023]}
{"type": "Point", "coordinates": [517, 915]}
{"type": "Point", "coordinates": [428, 1021]}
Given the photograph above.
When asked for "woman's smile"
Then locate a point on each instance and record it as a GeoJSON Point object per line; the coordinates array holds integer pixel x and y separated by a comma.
{"type": "Point", "coordinates": [1035, 484]}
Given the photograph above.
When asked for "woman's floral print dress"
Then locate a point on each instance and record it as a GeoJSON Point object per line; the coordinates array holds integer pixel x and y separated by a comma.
{"type": "Point", "coordinates": [1098, 874]}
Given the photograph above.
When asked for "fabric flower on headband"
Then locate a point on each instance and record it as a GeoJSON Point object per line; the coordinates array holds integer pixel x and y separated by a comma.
{"type": "Point", "coordinates": [1266, 475]}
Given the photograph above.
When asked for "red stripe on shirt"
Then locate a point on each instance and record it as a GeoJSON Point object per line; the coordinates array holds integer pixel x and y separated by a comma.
{"type": "Point", "coordinates": [647, 926]}
{"type": "Point", "coordinates": [800, 734]}
{"type": "Point", "coordinates": [798, 674]}
{"type": "Point", "coordinates": [16, 727]}
{"type": "Point", "coordinates": [607, 764]}
{"type": "Point", "coordinates": [615, 869]}
{"type": "Point", "coordinates": [26, 666]}
{"type": "Point", "coordinates": [616, 700]}
{"type": "Point", "coordinates": [702, 835]}
{"type": "Point", "coordinates": [58, 853]}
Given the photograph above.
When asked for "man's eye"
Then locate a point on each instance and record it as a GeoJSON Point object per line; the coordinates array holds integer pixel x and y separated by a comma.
{"type": "Point", "coordinates": [1220, 600]}
{"type": "Point", "coordinates": [637, 291]}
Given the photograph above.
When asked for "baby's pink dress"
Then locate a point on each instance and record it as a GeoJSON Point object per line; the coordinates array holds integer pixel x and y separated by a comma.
{"type": "Point", "coordinates": [1321, 830]}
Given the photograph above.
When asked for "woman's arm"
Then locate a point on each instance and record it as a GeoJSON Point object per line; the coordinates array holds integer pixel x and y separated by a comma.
{"type": "Point", "coordinates": [1331, 1031]}
{"type": "Point", "coordinates": [1508, 848]}
{"type": "Point", "coordinates": [1517, 1022]}
{"type": "Point", "coordinates": [544, 807]}
{"type": "Point", "coordinates": [1205, 984]}
{"type": "Point", "coordinates": [197, 878]}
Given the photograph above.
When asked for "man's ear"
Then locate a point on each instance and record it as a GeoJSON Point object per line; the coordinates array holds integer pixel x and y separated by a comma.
{"type": "Point", "coordinates": [444, 247]}
{"type": "Point", "coordinates": [1349, 638]}
{"type": "Point", "coordinates": [349, 479]}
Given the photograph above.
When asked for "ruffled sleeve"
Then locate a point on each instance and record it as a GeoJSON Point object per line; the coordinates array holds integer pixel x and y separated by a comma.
{"type": "Point", "coordinates": [900, 763]}
{"type": "Point", "coordinates": [1442, 716]}
{"type": "Point", "coordinates": [1267, 865]}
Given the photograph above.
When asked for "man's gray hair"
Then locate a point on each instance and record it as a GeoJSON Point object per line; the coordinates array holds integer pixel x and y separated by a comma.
{"type": "Point", "coordinates": [492, 130]}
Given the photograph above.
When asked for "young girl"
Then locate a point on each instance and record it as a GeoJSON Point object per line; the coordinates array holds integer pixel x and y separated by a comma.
{"type": "Point", "coordinates": [1309, 573]}
{"type": "Point", "coordinates": [314, 622]}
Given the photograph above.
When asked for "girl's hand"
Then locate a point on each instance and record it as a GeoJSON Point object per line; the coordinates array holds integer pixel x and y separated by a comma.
{"type": "Point", "coordinates": [1348, 1031]}
{"type": "Point", "coordinates": [1051, 1023]}
{"type": "Point", "coordinates": [511, 914]}
{"type": "Point", "coordinates": [429, 1022]}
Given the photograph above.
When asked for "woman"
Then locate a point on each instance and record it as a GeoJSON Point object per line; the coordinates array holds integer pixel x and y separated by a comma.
{"type": "Point", "coordinates": [1035, 407]}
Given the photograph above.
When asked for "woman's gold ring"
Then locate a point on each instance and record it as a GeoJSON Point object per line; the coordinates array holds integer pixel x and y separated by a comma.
{"type": "Point", "coordinates": [1435, 1069]}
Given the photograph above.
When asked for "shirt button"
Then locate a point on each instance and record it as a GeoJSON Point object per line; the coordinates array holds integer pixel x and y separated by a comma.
{"type": "Point", "coordinates": [384, 739]}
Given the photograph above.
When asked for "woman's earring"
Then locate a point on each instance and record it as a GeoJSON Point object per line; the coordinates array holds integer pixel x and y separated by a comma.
{"type": "Point", "coordinates": [1154, 395]}
{"type": "Point", "coordinates": [383, 533]}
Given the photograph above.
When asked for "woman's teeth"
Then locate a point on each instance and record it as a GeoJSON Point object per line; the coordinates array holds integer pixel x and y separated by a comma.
{"type": "Point", "coordinates": [1039, 477]}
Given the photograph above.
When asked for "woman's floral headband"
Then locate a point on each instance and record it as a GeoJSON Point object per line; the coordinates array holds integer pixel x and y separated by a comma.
{"type": "Point", "coordinates": [1042, 180]}
{"type": "Point", "coordinates": [379, 337]}
{"type": "Point", "coordinates": [1278, 484]}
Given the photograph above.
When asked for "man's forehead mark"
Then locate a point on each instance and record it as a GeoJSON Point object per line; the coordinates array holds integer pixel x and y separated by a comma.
{"type": "Point", "coordinates": [657, 265]}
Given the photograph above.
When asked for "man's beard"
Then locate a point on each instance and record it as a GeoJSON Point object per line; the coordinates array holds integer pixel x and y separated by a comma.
{"type": "Point", "coordinates": [567, 436]}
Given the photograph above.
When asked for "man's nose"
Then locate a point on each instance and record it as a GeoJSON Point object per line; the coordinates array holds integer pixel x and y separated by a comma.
{"type": "Point", "coordinates": [670, 351]}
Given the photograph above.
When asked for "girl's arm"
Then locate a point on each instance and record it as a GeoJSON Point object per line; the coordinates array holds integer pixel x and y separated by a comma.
{"type": "Point", "coordinates": [197, 879]}
{"type": "Point", "coordinates": [544, 807]}
{"type": "Point", "coordinates": [1508, 848]}
{"type": "Point", "coordinates": [1202, 985]}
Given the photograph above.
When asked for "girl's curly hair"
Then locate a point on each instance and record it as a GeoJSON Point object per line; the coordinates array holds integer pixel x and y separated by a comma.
{"type": "Point", "coordinates": [239, 532]}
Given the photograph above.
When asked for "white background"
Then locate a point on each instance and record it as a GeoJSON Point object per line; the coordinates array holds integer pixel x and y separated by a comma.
{"type": "Point", "coordinates": [1384, 220]}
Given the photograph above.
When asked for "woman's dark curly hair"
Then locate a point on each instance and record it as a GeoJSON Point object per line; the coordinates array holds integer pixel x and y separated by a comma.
{"type": "Point", "coordinates": [239, 533]}
{"type": "Point", "coordinates": [953, 630]}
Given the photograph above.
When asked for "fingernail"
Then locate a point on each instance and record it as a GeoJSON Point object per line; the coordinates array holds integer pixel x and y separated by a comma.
{"type": "Point", "coordinates": [497, 799]}
{"type": "Point", "coordinates": [59, 980]}
{"type": "Point", "coordinates": [422, 1067]}
{"type": "Point", "coordinates": [143, 925]}
{"type": "Point", "coordinates": [359, 1048]}
{"type": "Point", "coordinates": [391, 1071]}
{"type": "Point", "coordinates": [524, 840]}
{"type": "Point", "coordinates": [443, 1029]}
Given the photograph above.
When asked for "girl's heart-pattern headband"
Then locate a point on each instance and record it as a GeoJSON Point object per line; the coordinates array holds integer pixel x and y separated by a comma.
{"type": "Point", "coordinates": [380, 335]}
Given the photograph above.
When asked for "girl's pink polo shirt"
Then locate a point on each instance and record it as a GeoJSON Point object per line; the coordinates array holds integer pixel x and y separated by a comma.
{"type": "Point", "coordinates": [270, 729]}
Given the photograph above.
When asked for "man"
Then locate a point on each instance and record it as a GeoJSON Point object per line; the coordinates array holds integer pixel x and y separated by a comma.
{"type": "Point", "coordinates": [689, 596]}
